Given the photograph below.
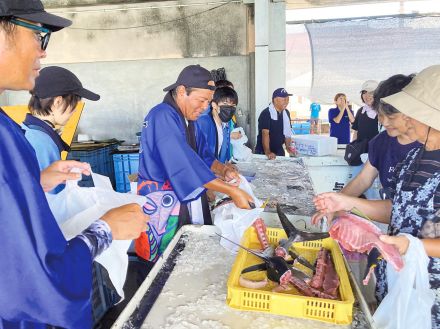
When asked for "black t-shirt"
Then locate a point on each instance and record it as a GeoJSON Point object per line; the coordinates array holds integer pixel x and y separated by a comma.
{"type": "Point", "coordinates": [366, 127]}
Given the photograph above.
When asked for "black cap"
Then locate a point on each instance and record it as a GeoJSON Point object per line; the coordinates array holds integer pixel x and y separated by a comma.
{"type": "Point", "coordinates": [57, 81]}
{"type": "Point", "coordinates": [193, 76]}
{"type": "Point", "coordinates": [32, 10]}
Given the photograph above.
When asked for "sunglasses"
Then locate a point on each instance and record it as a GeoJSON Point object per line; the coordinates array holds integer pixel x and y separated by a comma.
{"type": "Point", "coordinates": [44, 39]}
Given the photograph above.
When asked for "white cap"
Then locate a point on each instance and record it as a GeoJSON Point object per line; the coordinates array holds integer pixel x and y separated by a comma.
{"type": "Point", "coordinates": [369, 85]}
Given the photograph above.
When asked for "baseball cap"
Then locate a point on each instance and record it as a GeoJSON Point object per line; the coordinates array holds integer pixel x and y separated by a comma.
{"type": "Point", "coordinates": [369, 85]}
{"type": "Point", "coordinates": [420, 98]}
{"type": "Point", "coordinates": [193, 76]}
{"type": "Point", "coordinates": [57, 81]}
{"type": "Point", "coordinates": [280, 92]}
{"type": "Point", "coordinates": [32, 10]}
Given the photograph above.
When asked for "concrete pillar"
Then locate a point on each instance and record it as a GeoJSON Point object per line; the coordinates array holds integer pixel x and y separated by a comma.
{"type": "Point", "coordinates": [270, 51]}
{"type": "Point", "coordinates": [277, 46]}
{"type": "Point", "coordinates": [262, 17]}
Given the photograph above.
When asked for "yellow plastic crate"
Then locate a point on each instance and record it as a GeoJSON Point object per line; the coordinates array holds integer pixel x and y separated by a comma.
{"type": "Point", "coordinates": [289, 303]}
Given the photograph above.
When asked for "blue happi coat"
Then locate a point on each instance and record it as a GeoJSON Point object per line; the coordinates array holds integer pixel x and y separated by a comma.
{"type": "Point", "coordinates": [44, 278]}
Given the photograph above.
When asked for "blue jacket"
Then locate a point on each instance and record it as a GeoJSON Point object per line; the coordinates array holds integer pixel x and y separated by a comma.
{"type": "Point", "coordinates": [166, 155]}
{"type": "Point", "coordinates": [44, 279]}
{"type": "Point", "coordinates": [207, 126]}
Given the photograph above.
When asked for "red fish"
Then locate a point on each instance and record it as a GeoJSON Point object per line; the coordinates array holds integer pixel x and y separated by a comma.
{"type": "Point", "coordinates": [358, 234]}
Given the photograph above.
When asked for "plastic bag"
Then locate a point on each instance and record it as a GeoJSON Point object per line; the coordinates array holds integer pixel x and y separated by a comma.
{"type": "Point", "coordinates": [75, 208]}
{"type": "Point", "coordinates": [240, 152]}
{"type": "Point", "coordinates": [409, 300]}
{"type": "Point", "coordinates": [233, 221]}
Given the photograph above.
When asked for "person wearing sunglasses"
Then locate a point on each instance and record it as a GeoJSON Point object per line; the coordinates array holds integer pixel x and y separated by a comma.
{"type": "Point", "coordinates": [414, 207]}
{"type": "Point", "coordinates": [45, 280]}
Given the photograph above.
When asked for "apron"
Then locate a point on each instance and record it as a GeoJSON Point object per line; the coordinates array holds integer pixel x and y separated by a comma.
{"type": "Point", "coordinates": [411, 213]}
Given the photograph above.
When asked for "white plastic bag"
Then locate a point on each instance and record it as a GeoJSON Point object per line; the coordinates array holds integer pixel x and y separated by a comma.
{"type": "Point", "coordinates": [240, 152]}
{"type": "Point", "coordinates": [75, 208]}
{"type": "Point", "coordinates": [409, 300]}
{"type": "Point", "coordinates": [233, 221]}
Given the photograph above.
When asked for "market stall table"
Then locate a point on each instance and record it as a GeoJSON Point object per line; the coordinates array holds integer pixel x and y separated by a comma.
{"type": "Point", "coordinates": [187, 289]}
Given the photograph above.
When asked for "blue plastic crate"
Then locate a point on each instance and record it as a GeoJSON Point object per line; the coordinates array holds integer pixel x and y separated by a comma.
{"type": "Point", "coordinates": [100, 161]}
{"type": "Point", "coordinates": [301, 128]}
{"type": "Point", "coordinates": [125, 164]}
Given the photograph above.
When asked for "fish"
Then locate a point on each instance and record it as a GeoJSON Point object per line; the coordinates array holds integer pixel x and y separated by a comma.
{"type": "Point", "coordinates": [294, 235]}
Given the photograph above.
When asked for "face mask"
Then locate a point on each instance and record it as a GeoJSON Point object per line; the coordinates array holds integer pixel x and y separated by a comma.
{"type": "Point", "coordinates": [226, 112]}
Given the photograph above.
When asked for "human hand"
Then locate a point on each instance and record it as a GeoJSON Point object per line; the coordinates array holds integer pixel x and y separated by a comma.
{"type": "Point", "coordinates": [232, 177]}
{"type": "Point", "coordinates": [318, 216]}
{"type": "Point", "coordinates": [231, 166]}
{"type": "Point", "coordinates": [292, 151]}
{"type": "Point", "coordinates": [401, 242]}
{"type": "Point", "coordinates": [271, 156]}
{"type": "Point", "coordinates": [59, 171]}
{"type": "Point", "coordinates": [329, 203]}
{"type": "Point", "coordinates": [242, 199]}
{"type": "Point", "coordinates": [126, 222]}
{"type": "Point", "coordinates": [236, 135]}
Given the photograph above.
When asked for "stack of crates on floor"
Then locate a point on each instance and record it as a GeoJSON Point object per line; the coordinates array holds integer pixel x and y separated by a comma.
{"type": "Point", "coordinates": [124, 164]}
{"type": "Point", "coordinates": [100, 160]}
{"type": "Point", "coordinates": [301, 127]}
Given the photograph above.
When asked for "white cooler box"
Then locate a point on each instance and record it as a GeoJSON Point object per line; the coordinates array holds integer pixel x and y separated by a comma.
{"type": "Point", "coordinates": [316, 145]}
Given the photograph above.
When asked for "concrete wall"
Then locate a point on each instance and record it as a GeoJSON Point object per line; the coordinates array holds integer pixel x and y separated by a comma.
{"type": "Point", "coordinates": [128, 52]}
{"type": "Point", "coordinates": [129, 89]}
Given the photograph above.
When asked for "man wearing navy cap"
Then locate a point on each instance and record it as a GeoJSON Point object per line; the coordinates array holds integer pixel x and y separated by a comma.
{"type": "Point", "coordinates": [45, 280]}
{"type": "Point", "coordinates": [176, 165]}
{"type": "Point", "coordinates": [274, 127]}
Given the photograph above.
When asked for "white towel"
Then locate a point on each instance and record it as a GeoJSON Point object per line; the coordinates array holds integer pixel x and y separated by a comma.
{"type": "Point", "coordinates": [287, 129]}
{"type": "Point", "coordinates": [370, 112]}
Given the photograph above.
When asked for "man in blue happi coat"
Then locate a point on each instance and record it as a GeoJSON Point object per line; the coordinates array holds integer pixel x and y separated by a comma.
{"type": "Point", "coordinates": [176, 165]}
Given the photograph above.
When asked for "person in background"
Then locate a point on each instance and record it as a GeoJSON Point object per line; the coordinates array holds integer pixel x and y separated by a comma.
{"type": "Point", "coordinates": [176, 166]}
{"type": "Point", "coordinates": [315, 108]}
{"type": "Point", "coordinates": [274, 128]}
{"type": "Point", "coordinates": [366, 127]}
{"type": "Point", "coordinates": [388, 148]}
{"type": "Point", "coordinates": [45, 280]}
{"type": "Point", "coordinates": [215, 126]}
{"type": "Point", "coordinates": [414, 204]}
{"type": "Point", "coordinates": [233, 122]}
{"type": "Point", "coordinates": [340, 118]}
{"type": "Point", "coordinates": [365, 123]}
{"type": "Point", "coordinates": [54, 99]}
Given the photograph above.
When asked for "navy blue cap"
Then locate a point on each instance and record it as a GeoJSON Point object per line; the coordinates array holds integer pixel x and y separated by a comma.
{"type": "Point", "coordinates": [57, 81]}
{"type": "Point", "coordinates": [193, 76]}
{"type": "Point", "coordinates": [280, 92]}
{"type": "Point", "coordinates": [33, 10]}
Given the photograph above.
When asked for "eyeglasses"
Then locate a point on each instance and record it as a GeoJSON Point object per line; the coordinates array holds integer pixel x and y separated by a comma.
{"type": "Point", "coordinates": [44, 39]}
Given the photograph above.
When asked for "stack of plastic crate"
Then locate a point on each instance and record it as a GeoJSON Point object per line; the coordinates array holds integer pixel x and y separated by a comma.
{"type": "Point", "coordinates": [100, 160]}
{"type": "Point", "coordinates": [301, 127]}
{"type": "Point", "coordinates": [124, 164]}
